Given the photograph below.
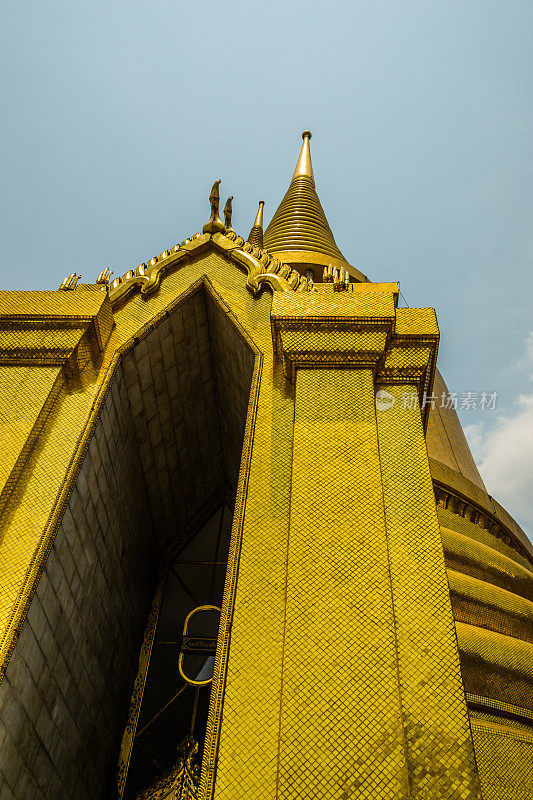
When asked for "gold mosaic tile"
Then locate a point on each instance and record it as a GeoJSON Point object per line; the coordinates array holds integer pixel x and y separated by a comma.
{"type": "Point", "coordinates": [480, 603]}
{"type": "Point", "coordinates": [437, 733]}
{"type": "Point", "coordinates": [341, 727]}
{"type": "Point", "coordinates": [495, 665]}
{"type": "Point", "coordinates": [337, 671]}
{"type": "Point", "coordinates": [505, 759]}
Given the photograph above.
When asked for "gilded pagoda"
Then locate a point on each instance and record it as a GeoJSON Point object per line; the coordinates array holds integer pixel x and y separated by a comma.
{"type": "Point", "coordinates": [245, 551]}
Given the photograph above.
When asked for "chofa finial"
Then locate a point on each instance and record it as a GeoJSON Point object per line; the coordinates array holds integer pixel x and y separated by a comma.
{"type": "Point", "coordinates": [214, 224]}
{"type": "Point", "coordinates": [227, 214]}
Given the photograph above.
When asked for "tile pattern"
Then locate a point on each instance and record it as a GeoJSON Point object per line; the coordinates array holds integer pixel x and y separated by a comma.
{"type": "Point", "coordinates": [65, 691]}
{"type": "Point", "coordinates": [437, 733]}
{"type": "Point", "coordinates": [480, 603]}
{"type": "Point", "coordinates": [171, 389]}
{"type": "Point", "coordinates": [233, 364]}
{"type": "Point", "coordinates": [457, 522]}
{"type": "Point", "coordinates": [250, 664]}
{"type": "Point", "coordinates": [29, 535]}
{"type": "Point", "coordinates": [241, 750]}
{"type": "Point", "coordinates": [313, 761]}
{"type": "Point", "coordinates": [495, 665]}
{"type": "Point", "coordinates": [505, 757]}
{"type": "Point", "coordinates": [341, 724]}
{"type": "Point", "coordinates": [479, 560]}
{"type": "Point", "coordinates": [491, 591]}
{"type": "Point", "coordinates": [22, 421]}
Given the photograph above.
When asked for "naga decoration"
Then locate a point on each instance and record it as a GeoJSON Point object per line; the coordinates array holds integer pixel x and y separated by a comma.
{"type": "Point", "coordinates": [104, 276]}
{"type": "Point", "coordinates": [187, 780]}
{"type": "Point", "coordinates": [70, 282]}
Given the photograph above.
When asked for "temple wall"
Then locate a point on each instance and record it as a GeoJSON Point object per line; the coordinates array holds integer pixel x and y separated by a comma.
{"type": "Point", "coordinates": [156, 458]}
{"type": "Point", "coordinates": [65, 693]}
{"type": "Point", "coordinates": [170, 383]}
{"type": "Point", "coordinates": [233, 363]}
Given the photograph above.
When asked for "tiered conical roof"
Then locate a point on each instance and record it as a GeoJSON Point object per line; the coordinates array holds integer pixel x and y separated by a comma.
{"type": "Point", "coordinates": [299, 232]}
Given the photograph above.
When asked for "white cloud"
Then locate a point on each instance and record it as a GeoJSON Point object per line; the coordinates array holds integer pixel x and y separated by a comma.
{"type": "Point", "coordinates": [504, 452]}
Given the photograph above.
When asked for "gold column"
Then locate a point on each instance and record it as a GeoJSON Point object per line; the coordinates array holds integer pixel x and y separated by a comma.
{"type": "Point", "coordinates": [341, 727]}
{"type": "Point", "coordinates": [359, 639]}
{"type": "Point", "coordinates": [438, 739]}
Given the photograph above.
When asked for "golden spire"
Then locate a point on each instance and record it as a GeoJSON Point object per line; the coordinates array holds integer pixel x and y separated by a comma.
{"type": "Point", "coordinates": [255, 236]}
{"type": "Point", "coordinates": [304, 168]}
{"type": "Point", "coordinates": [298, 233]}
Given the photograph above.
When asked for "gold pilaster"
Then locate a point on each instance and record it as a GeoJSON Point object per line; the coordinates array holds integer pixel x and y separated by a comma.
{"type": "Point", "coordinates": [366, 603]}
{"type": "Point", "coordinates": [438, 740]}
{"type": "Point", "coordinates": [341, 724]}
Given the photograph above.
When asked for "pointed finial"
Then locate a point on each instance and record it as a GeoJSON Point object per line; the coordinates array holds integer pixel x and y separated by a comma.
{"type": "Point", "coordinates": [304, 168]}
{"type": "Point", "coordinates": [255, 236]}
{"type": "Point", "coordinates": [259, 216]}
{"type": "Point", "coordinates": [227, 214]}
{"type": "Point", "coordinates": [214, 224]}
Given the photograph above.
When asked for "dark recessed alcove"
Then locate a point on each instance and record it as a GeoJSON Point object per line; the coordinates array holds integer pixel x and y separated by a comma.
{"type": "Point", "coordinates": [165, 450]}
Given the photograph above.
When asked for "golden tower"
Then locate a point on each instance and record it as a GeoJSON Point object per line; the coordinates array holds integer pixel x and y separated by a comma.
{"type": "Point", "coordinates": [245, 551]}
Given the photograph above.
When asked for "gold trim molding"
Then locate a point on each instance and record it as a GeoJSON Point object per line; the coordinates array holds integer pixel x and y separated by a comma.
{"type": "Point", "coordinates": [261, 268]}
{"type": "Point", "coordinates": [363, 329]}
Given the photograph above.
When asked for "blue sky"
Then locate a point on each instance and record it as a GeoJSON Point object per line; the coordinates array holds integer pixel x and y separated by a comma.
{"type": "Point", "coordinates": [117, 116]}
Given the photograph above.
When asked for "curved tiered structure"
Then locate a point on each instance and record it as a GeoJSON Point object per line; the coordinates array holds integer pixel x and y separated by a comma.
{"type": "Point", "coordinates": [490, 572]}
{"type": "Point", "coordinates": [255, 237]}
{"type": "Point", "coordinates": [299, 233]}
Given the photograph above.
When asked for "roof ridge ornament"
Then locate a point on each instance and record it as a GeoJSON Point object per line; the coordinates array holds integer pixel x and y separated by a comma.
{"type": "Point", "coordinates": [214, 224]}
{"type": "Point", "coordinates": [104, 276]}
{"type": "Point", "coordinates": [261, 267]}
{"type": "Point", "coordinates": [70, 282]}
{"type": "Point", "coordinates": [304, 167]}
{"type": "Point", "coordinates": [227, 214]}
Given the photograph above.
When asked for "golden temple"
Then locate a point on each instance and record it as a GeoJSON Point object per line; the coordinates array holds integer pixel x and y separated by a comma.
{"type": "Point", "coordinates": [245, 551]}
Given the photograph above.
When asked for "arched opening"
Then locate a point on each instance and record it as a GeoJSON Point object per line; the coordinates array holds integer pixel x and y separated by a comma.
{"type": "Point", "coordinates": [158, 478]}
